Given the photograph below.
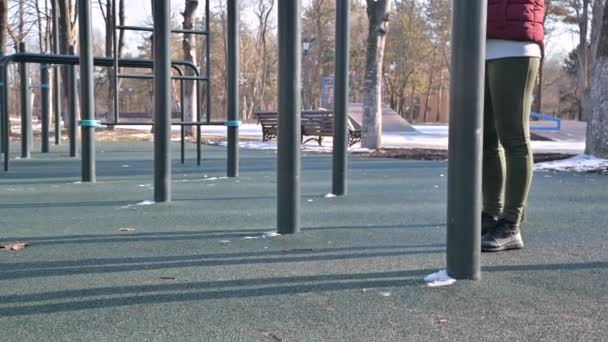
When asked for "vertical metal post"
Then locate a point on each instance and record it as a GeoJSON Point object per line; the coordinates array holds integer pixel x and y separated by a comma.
{"type": "Point", "coordinates": [340, 148]}
{"type": "Point", "coordinates": [182, 118]}
{"type": "Point", "coordinates": [87, 96]}
{"type": "Point", "coordinates": [6, 118]}
{"type": "Point", "coordinates": [466, 138]}
{"type": "Point", "coordinates": [162, 101]}
{"type": "Point", "coordinates": [44, 106]}
{"type": "Point", "coordinates": [233, 88]}
{"type": "Point", "coordinates": [208, 59]}
{"type": "Point", "coordinates": [72, 105]}
{"type": "Point", "coordinates": [26, 109]}
{"type": "Point", "coordinates": [290, 107]}
{"type": "Point", "coordinates": [2, 85]}
{"type": "Point", "coordinates": [199, 96]}
{"type": "Point", "coordinates": [116, 67]}
{"type": "Point", "coordinates": [56, 73]}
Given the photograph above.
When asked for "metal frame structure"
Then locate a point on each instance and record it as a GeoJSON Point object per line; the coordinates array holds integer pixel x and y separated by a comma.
{"type": "Point", "coordinates": [466, 108]}
{"type": "Point", "coordinates": [70, 61]}
{"type": "Point", "coordinates": [117, 63]}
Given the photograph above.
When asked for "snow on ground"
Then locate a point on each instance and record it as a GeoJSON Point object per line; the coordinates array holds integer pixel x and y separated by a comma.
{"type": "Point", "coordinates": [431, 136]}
{"type": "Point", "coordinates": [438, 279]}
{"type": "Point", "coordinates": [580, 163]}
{"type": "Point", "coordinates": [426, 136]}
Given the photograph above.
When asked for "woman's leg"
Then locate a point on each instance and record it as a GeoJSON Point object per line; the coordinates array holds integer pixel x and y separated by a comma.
{"type": "Point", "coordinates": [493, 162]}
{"type": "Point", "coordinates": [511, 83]}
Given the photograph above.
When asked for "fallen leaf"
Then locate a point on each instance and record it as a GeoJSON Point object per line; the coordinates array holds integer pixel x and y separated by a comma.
{"type": "Point", "coordinates": [14, 246]}
{"type": "Point", "coordinates": [126, 229]}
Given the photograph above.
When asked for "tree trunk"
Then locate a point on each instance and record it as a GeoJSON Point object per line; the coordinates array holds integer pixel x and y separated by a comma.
{"type": "Point", "coordinates": [66, 38]}
{"type": "Point", "coordinates": [378, 16]}
{"type": "Point", "coordinates": [430, 86]}
{"type": "Point", "coordinates": [189, 48]}
{"type": "Point", "coordinates": [109, 49]}
{"type": "Point", "coordinates": [3, 25]}
{"type": "Point", "coordinates": [597, 125]}
{"type": "Point", "coordinates": [412, 109]}
{"type": "Point", "coordinates": [538, 92]}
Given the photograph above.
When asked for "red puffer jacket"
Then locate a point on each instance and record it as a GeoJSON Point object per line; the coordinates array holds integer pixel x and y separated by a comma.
{"type": "Point", "coordinates": [520, 20]}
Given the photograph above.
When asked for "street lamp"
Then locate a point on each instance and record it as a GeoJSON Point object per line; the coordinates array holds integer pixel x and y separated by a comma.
{"type": "Point", "coordinates": [306, 42]}
{"type": "Point", "coordinates": [306, 45]}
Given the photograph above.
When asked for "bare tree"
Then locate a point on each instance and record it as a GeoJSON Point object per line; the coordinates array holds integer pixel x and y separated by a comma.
{"type": "Point", "coordinates": [68, 15]}
{"type": "Point", "coordinates": [378, 16]}
{"type": "Point", "coordinates": [597, 125]}
{"type": "Point", "coordinates": [258, 83]}
{"type": "Point", "coordinates": [3, 25]}
{"type": "Point", "coordinates": [189, 47]}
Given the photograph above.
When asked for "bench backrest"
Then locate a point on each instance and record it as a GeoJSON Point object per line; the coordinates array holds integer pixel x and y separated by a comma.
{"type": "Point", "coordinates": [313, 121]}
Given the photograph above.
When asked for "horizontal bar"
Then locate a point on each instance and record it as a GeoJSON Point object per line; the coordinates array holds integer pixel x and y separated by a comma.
{"type": "Point", "coordinates": [177, 123]}
{"type": "Point", "coordinates": [42, 58]}
{"type": "Point", "coordinates": [151, 29]}
{"type": "Point", "coordinates": [151, 76]}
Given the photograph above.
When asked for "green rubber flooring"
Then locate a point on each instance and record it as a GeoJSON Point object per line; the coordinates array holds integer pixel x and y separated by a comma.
{"type": "Point", "coordinates": [201, 268]}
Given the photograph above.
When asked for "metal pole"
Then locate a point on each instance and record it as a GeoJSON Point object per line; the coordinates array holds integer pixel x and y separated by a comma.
{"type": "Point", "coordinates": [465, 141]}
{"type": "Point", "coordinates": [56, 90]}
{"type": "Point", "coordinates": [233, 88]}
{"type": "Point", "coordinates": [6, 124]}
{"type": "Point", "coordinates": [208, 60]}
{"type": "Point", "coordinates": [2, 128]}
{"type": "Point", "coordinates": [341, 97]}
{"type": "Point", "coordinates": [182, 117]}
{"type": "Point", "coordinates": [162, 101]}
{"type": "Point", "coordinates": [87, 97]}
{"type": "Point", "coordinates": [26, 110]}
{"type": "Point", "coordinates": [290, 107]}
{"type": "Point", "coordinates": [44, 106]}
{"type": "Point", "coordinates": [72, 104]}
{"type": "Point", "coordinates": [116, 68]}
{"type": "Point", "coordinates": [198, 119]}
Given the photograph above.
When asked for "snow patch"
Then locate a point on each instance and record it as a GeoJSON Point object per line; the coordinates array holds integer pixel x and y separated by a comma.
{"type": "Point", "coordinates": [330, 196]}
{"type": "Point", "coordinates": [270, 234]}
{"type": "Point", "coordinates": [214, 178]}
{"type": "Point", "coordinates": [580, 163]}
{"type": "Point", "coordinates": [438, 279]}
{"type": "Point", "coordinates": [146, 203]}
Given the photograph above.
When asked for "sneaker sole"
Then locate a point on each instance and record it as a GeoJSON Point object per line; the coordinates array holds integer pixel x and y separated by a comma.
{"type": "Point", "coordinates": [506, 247]}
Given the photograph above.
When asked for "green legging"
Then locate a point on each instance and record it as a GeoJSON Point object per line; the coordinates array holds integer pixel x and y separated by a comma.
{"type": "Point", "coordinates": [507, 155]}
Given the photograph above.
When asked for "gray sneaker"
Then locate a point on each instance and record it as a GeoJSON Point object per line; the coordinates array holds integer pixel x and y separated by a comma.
{"type": "Point", "coordinates": [488, 223]}
{"type": "Point", "coordinates": [506, 236]}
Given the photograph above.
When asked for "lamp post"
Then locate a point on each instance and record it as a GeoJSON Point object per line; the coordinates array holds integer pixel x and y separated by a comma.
{"type": "Point", "coordinates": [306, 91]}
{"type": "Point", "coordinates": [306, 45]}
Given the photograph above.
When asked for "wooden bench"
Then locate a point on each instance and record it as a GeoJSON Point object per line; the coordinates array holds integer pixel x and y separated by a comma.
{"type": "Point", "coordinates": [316, 124]}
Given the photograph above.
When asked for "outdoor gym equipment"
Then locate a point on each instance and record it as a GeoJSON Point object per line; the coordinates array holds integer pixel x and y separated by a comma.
{"type": "Point", "coordinates": [466, 114]}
